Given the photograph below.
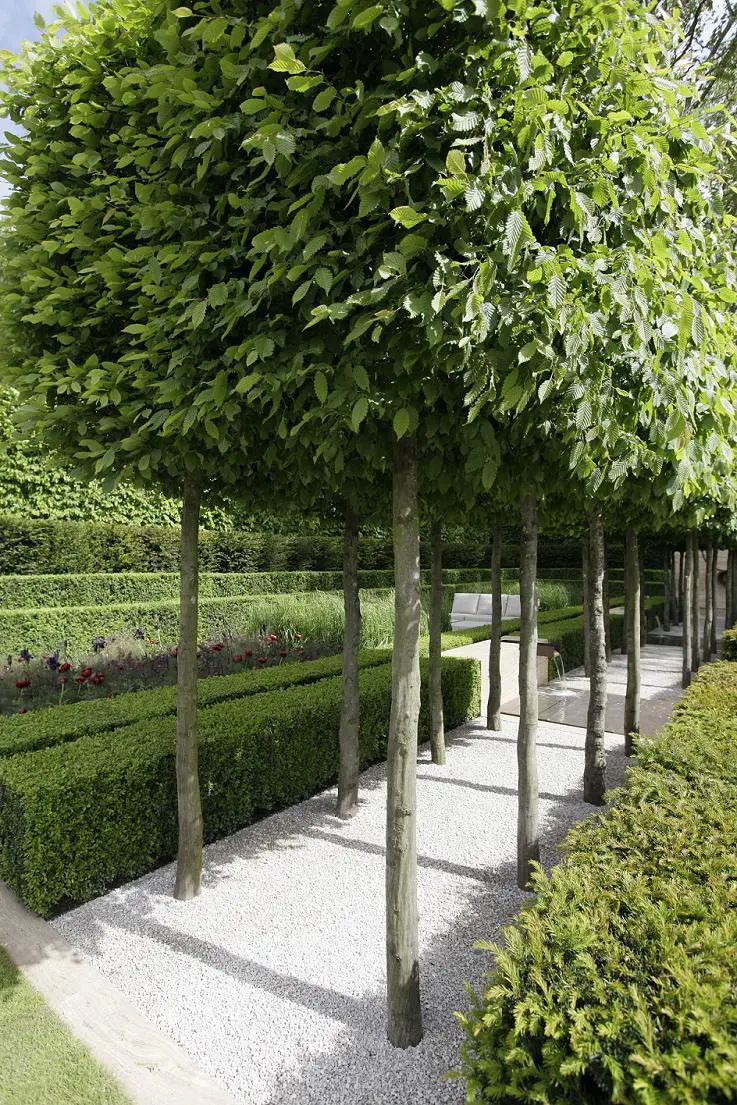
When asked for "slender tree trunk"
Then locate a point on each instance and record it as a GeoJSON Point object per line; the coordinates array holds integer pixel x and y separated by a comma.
{"type": "Point", "coordinates": [681, 567]}
{"type": "Point", "coordinates": [607, 615]}
{"type": "Point", "coordinates": [348, 733]}
{"type": "Point", "coordinates": [404, 1011]}
{"type": "Point", "coordinates": [189, 805]}
{"type": "Point", "coordinates": [528, 834]}
{"type": "Point", "coordinates": [667, 594]}
{"type": "Point", "coordinates": [632, 695]}
{"type": "Point", "coordinates": [696, 639]}
{"type": "Point", "coordinates": [643, 594]}
{"type": "Point", "coordinates": [493, 709]}
{"type": "Point", "coordinates": [586, 607]}
{"type": "Point", "coordinates": [623, 643]}
{"type": "Point", "coordinates": [713, 589]}
{"type": "Point", "coordinates": [687, 608]}
{"type": "Point", "coordinates": [437, 729]}
{"type": "Point", "coordinates": [708, 607]}
{"type": "Point", "coordinates": [728, 622]}
{"type": "Point", "coordinates": [674, 595]}
{"type": "Point", "coordinates": [594, 783]}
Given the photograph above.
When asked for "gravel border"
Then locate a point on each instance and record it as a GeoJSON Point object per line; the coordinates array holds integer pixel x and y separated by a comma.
{"type": "Point", "coordinates": [272, 980]}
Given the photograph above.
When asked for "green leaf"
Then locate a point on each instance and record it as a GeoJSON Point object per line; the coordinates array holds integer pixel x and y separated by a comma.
{"type": "Point", "coordinates": [324, 99]}
{"type": "Point", "coordinates": [565, 59]}
{"type": "Point", "coordinates": [321, 386]}
{"type": "Point", "coordinates": [360, 409]}
{"type": "Point", "coordinates": [285, 60]}
{"type": "Point", "coordinates": [407, 216]}
{"type": "Point", "coordinates": [367, 17]}
{"type": "Point", "coordinates": [401, 422]}
{"type": "Point", "coordinates": [455, 162]}
{"type": "Point", "coordinates": [198, 313]}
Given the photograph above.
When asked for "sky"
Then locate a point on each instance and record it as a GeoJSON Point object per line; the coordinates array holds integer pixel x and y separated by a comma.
{"type": "Point", "coordinates": [16, 20]}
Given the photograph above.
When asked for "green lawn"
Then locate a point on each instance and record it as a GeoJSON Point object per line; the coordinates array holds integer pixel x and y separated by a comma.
{"type": "Point", "coordinates": [40, 1061]}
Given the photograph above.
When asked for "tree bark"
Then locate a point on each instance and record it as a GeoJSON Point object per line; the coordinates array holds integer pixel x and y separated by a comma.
{"type": "Point", "coordinates": [528, 834]}
{"type": "Point", "coordinates": [728, 590]}
{"type": "Point", "coordinates": [623, 643]}
{"type": "Point", "coordinates": [667, 594]}
{"type": "Point", "coordinates": [437, 727]}
{"type": "Point", "coordinates": [594, 784]}
{"type": "Point", "coordinates": [708, 607]}
{"type": "Point", "coordinates": [404, 1011]}
{"type": "Point", "coordinates": [680, 585]}
{"type": "Point", "coordinates": [189, 804]}
{"type": "Point", "coordinates": [493, 708]}
{"type": "Point", "coordinates": [643, 594]}
{"type": "Point", "coordinates": [696, 639]}
{"type": "Point", "coordinates": [607, 615]}
{"type": "Point", "coordinates": [713, 588]}
{"type": "Point", "coordinates": [632, 695]}
{"type": "Point", "coordinates": [348, 733]}
{"type": "Point", "coordinates": [586, 607]}
{"type": "Point", "coordinates": [687, 608]}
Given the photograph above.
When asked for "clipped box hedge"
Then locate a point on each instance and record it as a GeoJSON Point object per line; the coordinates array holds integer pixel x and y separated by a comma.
{"type": "Point", "coordinates": [78, 817]}
{"type": "Point", "coordinates": [59, 724]}
{"type": "Point", "coordinates": [729, 644]}
{"type": "Point", "coordinates": [619, 982]}
{"type": "Point", "coordinates": [24, 592]}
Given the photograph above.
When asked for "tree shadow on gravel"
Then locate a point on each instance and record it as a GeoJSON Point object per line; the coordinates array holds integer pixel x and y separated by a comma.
{"type": "Point", "coordinates": [357, 1065]}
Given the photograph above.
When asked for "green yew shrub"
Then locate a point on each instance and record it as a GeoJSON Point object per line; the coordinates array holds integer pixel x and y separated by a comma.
{"type": "Point", "coordinates": [729, 644]}
{"type": "Point", "coordinates": [78, 817]}
{"type": "Point", "coordinates": [619, 982]}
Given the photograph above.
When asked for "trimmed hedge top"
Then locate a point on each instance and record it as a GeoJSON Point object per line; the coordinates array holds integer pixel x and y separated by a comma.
{"type": "Point", "coordinates": [619, 983]}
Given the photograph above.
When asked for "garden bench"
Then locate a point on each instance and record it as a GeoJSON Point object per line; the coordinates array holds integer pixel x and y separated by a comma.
{"type": "Point", "coordinates": [470, 610]}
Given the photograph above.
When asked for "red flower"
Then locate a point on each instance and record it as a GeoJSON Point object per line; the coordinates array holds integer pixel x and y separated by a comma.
{"type": "Point", "coordinates": [21, 684]}
{"type": "Point", "coordinates": [23, 710]}
{"type": "Point", "coordinates": [218, 648]}
{"type": "Point", "coordinates": [174, 653]}
{"type": "Point", "coordinates": [80, 679]}
{"type": "Point", "coordinates": [262, 660]}
{"type": "Point", "coordinates": [282, 654]}
{"type": "Point", "coordinates": [273, 637]}
{"type": "Point", "coordinates": [98, 678]}
{"type": "Point", "coordinates": [65, 667]}
{"type": "Point", "coordinates": [237, 659]}
{"type": "Point", "coordinates": [249, 652]}
{"type": "Point", "coordinates": [86, 673]}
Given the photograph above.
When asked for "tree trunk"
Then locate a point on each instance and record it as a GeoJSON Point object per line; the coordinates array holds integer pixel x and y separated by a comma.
{"type": "Point", "coordinates": [623, 643]}
{"type": "Point", "coordinates": [696, 640]}
{"type": "Point", "coordinates": [681, 566]}
{"type": "Point", "coordinates": [594, 783]}
{"type": "Point", "coordinates": [348, 733]}
{"type": "Point", "coordinates": [728, 590]}
{"type": "Point", "coordinates": [528, 834]}
{"type": "Point", "coordinates": [713, 588]}
{"type": "Point", "coordinates": [667, 595]}
{"type": "Point", "coordinates": [437, 729]}
{"type": "Point", "coordinates": [643, 594]}
{"type": "Point", "coordinates": [493, 709]}
{"type": "Point", "coordinates": [404, 1011]}
{"type": "Point", "coordinates": [189, 805]}
{"type": "Point", "coordinates": [687, 608]}
{"type": "Point", "coordinates": [708, 608]}
{"type": "Point", "coordinates": [607, 616]}
{"type": "Point", "coordinates": [632, 695]}
{"type": "Point", "coordinates": [586, 608]}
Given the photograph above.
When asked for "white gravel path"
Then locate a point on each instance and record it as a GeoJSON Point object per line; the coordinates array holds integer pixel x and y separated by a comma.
{"type": "Point", "coordinates": [273, 979]}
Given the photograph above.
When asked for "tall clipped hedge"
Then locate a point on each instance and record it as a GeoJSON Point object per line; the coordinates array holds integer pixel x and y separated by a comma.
{"type": "Point", "coordinates": [619, 983]}
{"type": "Point", "coordinates": [77, 817]}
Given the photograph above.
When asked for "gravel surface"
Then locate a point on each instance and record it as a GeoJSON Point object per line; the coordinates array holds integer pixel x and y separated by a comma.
{"type": "Point", "coordinates": [272, 980]}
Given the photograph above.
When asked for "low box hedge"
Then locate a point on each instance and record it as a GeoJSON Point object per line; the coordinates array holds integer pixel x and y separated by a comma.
{"type": "Point", "coordinates": [77, 818]}
{"type": "Point", "coordinates": [619, 982]}
{"type": "Point", "coordinates": [59, 724]}
{"type": "Point", "coordinates": [729, 644]}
